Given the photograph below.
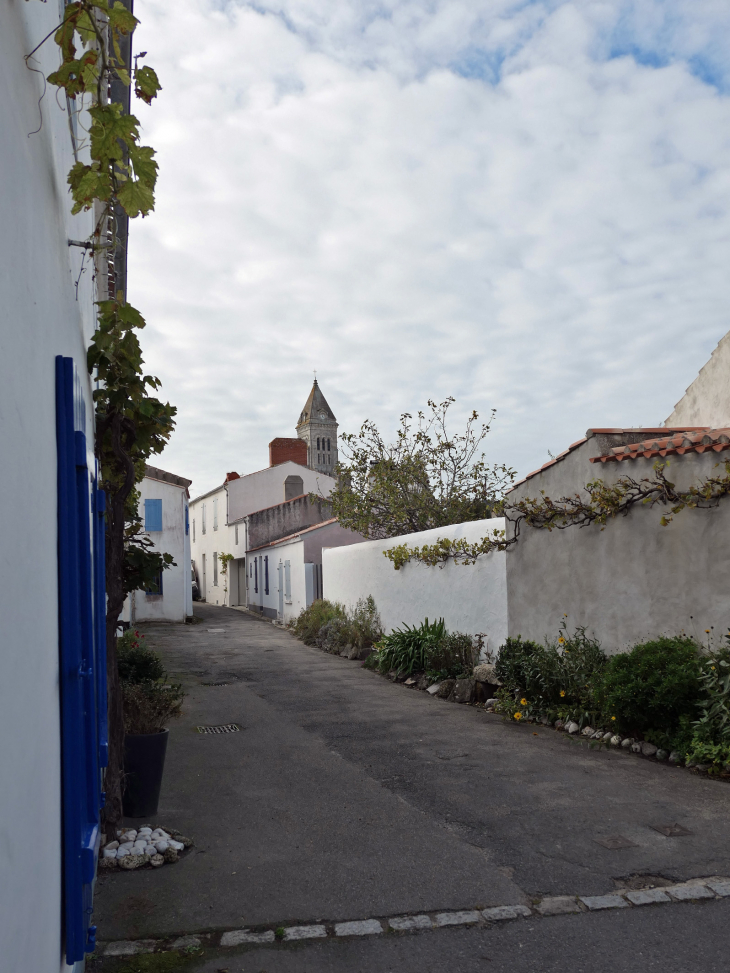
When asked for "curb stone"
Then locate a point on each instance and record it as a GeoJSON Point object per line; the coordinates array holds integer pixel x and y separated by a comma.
{"type": "Point", "coordinates": [714, 888]}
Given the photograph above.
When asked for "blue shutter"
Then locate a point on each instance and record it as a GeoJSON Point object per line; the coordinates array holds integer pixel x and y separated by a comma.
{"type": "Point", "coordinates": [83, 730]}
{"type": "Point", "coordinates": [187, 520]}
{"type": "Point", "coordinates": [153, 515]}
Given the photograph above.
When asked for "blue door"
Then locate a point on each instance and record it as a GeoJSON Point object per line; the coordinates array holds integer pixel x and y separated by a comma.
{"type": "Point", "coordinates": [82, 658]}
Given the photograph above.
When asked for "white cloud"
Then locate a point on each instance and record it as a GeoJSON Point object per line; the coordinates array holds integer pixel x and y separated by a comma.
{"type": "Point", "coordinates": [524, 205]}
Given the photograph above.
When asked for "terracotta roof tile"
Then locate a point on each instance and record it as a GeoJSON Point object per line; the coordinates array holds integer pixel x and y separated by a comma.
{"type": "Point", "coordinates": [697, 440]}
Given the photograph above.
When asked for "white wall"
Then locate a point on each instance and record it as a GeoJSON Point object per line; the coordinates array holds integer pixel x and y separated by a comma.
{"type": "Point", "coordinates": [41, 318]}
{"type": "Point", "coordinates": [176, 601]}
{"type": "Point", "coordinates": [707, 400]}
{"type": "Point", "coordinates": [212, 543]}
{"type": "Point", "coordinates": [265, 488]}
{"type": "Point", "coordinates": [469, 598]}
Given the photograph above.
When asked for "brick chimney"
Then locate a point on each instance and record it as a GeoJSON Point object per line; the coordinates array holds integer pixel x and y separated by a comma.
{"type": "Point", "coordinates": [232, 476]}
{"type": "Point", "coordinates": [281, 450]}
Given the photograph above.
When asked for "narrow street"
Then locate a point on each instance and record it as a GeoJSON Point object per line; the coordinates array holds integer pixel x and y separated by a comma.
{"type": "Point", "coordinates": [345, 797]}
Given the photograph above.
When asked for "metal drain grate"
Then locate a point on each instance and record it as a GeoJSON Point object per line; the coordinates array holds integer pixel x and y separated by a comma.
{"type": "Point", "coordinates": [214, 684]}
{"type": "Point", "coordinates": [226, 728]}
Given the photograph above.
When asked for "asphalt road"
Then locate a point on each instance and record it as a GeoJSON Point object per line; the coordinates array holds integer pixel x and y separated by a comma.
{"type": "Point", "coordinates": [345, 796]}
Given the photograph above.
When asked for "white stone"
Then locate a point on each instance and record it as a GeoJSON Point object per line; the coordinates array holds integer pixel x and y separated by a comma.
{"type": "Point", "coordinates": [688, 892]}
{"type": "Point", "coordinates": [502, 912]}
{"type": "Point", "coordinates": [572, 728]}
{"type": "Point", "coordinates": [112, 845]}
{"type": "Point", "coordinates": [615, 740]}
{"type": "Point", "coordinates": [150, 850]}
{"type": "Point", "coordinates": [127, 845]}
{"type": "Point", "coordinates": [177, 845]}
{"type": "Point", "coordinates": [304, 932]}
{"type": "Point", "coordinates": [404, 923]}
{"type": "Point", "coordinates": [457, 918]}
{"type": "Point", "coordinates": [161, 846]}
{"type": "Point", "coordinates": [110, 853]}
{"type": "Point", "coordinates": [720, 886]}
{"type": "Point", "coordinates": [364, 927]}
{"type": "Point", "coordinates": [146, 830]}
{"type": "Point", "coordinates": [239, 936]}
{"type": "Point", "coordinates": [608, 737]}
{"type": "Point", "coordinates": [122, 852]}
{"type": "Point", "coordinates": [432, 690]}
{"type": "Point", "coordinates": [587, 731]}
{"type": "Point", "coordinates": [647, 896]}
{"type": "Point", "coordinates": [597, 902]}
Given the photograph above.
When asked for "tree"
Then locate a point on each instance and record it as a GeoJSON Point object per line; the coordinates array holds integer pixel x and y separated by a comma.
{"type": "Point", "coordinates": [427, 478]}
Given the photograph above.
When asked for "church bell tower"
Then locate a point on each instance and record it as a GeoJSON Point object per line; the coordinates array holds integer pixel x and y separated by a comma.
{"type": "Point", "coordinates": [317, 426]}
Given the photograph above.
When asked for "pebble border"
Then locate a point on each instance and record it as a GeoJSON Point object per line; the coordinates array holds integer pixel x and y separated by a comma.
{"type": "Point", "coordinates": [708, 888]}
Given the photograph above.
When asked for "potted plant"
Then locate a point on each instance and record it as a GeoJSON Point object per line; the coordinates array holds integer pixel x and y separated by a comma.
{"type": "Point", "coordinates": [148, 706]}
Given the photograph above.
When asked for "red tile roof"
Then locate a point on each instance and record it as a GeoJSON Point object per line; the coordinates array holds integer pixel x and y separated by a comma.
{"type": "Point", "coordinates": [687, 441]}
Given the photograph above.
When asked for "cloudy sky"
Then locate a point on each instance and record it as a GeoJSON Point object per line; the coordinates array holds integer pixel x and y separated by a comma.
{"type": "Point", "coordinates": [525, 205]}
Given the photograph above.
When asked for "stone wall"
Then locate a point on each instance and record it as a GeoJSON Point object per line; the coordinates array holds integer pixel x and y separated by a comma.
{"type": "Point", "coordinates": [273, 523]}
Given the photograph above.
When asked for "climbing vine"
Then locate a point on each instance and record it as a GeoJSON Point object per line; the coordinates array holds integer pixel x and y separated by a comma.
{"type": "Point", "coordinates": [131, 422]}
{"type": "Point", "coordinates": [603, 502]}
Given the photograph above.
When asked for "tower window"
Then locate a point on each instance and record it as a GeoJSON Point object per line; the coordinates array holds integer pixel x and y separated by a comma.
{"type": "Point", "coordinates": [328, 445]}
{"type": "Point", "coordinates": [317, 442]}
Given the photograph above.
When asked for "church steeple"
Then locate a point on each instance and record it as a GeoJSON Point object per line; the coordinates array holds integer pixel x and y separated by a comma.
{"type": "Point", "coordinates": [317, 426]}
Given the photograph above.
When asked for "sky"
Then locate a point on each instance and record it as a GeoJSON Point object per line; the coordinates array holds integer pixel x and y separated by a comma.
{"type": "Point", "coordinates": [523, 205]}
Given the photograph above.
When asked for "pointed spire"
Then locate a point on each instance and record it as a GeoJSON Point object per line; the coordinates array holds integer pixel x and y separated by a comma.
{"type": "Point", "coordinates": [316, 407]}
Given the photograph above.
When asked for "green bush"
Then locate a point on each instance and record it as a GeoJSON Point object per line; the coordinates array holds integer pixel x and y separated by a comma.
{"type": "Point", "coordinates": [557, 678]}
{"type": "Point", "coordinates": [713, 725]}
{"type": "Point", "coordinates": [653, 686]}
{"type": "Point", "coordinates": [407, 649]}
{"type": "Point", "coordinates": [149, 706]}
{"type": "Point", "coordinates": [135, 662]}
{"type": "Point", "coordinates": [365, 624]}
{"type": "Point", "coordinates": [454, 657]}
{"type": "Point", "coordinates": [310, 620]}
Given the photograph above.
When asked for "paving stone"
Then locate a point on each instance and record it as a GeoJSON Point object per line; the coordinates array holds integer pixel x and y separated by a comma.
{"type": "Point", "coordinates": [597, 902]}
{"type": "Point", "coordinates": [685, 893]}
{"type": "Point", "coordinates": [720, 886]}
{"type": "Point", "coordinates": [186, 942]}
{"type": "Point", "coordinates": [558, 905]}
{"type": "Point", "coordinates": [457, 918]}
{"type": "Point", "coordinates": [304, 932]}
{"type": "Point", "coordinates": [365, 927]}
{"type": "Point", "coordinates": [402, 923]}
{"type": "Point", "coordinates": [502, 912]}
{"type": "Point", "coordinates": [237, 937]}
{"type": "Point", "coordinates": [647, 896]}
{"type": "Point", "coordinates": [129, 947]}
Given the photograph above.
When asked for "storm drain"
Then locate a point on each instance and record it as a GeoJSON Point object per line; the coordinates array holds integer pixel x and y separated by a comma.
{"type": "Point", "coordinates": [214, 684]}
{"type": "Point", "coordinates": [226, 728]}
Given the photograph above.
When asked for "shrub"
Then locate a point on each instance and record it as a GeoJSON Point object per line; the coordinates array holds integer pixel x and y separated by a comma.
{"type": "Point", "coordinates": [713, 725]}
{"type": "Point", "coordinates": [135, 662]}
{"type": "Point", "coordinates": [366, 626]}
{"type": "Point", "coordinates": [653, 686]}
{"type": "Point", "coordinates": [149, 706]}
{"type": "Point", "coordinates": [453, 657]}
{"type": "Point", "coordinates": [334, 635]}
{"type": "Point", "coordinates": [407, 649]}
{"type": "Point", "coordinates": [310, 620]}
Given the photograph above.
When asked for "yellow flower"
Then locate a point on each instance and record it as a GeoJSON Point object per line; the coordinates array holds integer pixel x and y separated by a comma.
{"type": "Point", "coordinates": [562, 692]}
{"type": "Point", "coordinates": [712, 667]}
{"type": "Point", "coordinates": [523, 702]}
{"type": "Point", "coordinates": [561, 640]}
{"type": "Point", "coordinates": [613, 717]}
{"type": "Point", "coordinates": [518, 716]}
{"type": "Point", "coordinates": [707, 631]}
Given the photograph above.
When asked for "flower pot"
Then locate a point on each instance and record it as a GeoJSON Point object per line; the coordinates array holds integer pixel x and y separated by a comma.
{"type": "Point", "coordinates": [144, 761]}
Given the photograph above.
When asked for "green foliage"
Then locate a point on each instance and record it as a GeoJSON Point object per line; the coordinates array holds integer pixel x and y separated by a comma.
{"type": "Point", "coordinates": [653, 686]}
{"type": "Point", "coordinates": [310, 620]}
{"type": "Point", "coordinates": [454, 657]}
{"type": "Point", "coordinates": [427, 478]}
{"type": "Point", "coordinates": [715, 754]}
{"type": "Point", "coordinates": [460, 550]}
{"type": "Point", "coordinates": [366, 628]}
{"type": "Point", "coordinates": [408, 649]}
{"type": "Point", "coordinates": [136, 662]}
{"type": "Point", "coordinates": [713, 725]}
{"type": "Point", "coordinates": [557, 677]}
{"type": "Point", "coordinates": [149, 706]}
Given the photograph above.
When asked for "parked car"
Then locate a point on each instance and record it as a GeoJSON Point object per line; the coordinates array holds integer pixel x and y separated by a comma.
{"type": "Point", "coordinates": [196, 586]}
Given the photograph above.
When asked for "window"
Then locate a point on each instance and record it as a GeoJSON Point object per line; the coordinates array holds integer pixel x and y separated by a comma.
{"type": "Point", "coordinates": [236, 533]}
{"type": "Point", "coordinates": [287, 580]}
{"type": "Point", "coordinates": [256, 574]}
{"type": "Point", "coordinates": [328, 445]}
{"type": "Point", "coordinates": [215, 514]}
{"type": "Point", "coordinates": [317, 442]}
{"type": "Point", "coordinates": [266, 575]}
{"type": "Point", "coordinates": [215, 568]}
{"type": "Point", "coordinates": [155, 587]}
{"type": "Point", "coordinates": [193, 530]}
{"type": "Point", "coordinates": [187, 520]}
{"type": "Point", "coordinates": [152, 515]}
{"type": "Point", "coordinates": [203, 518]}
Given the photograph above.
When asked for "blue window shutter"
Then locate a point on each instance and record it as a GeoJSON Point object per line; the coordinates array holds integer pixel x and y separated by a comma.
{"type": "Point", "coordinates": [79, 653]}
{"type": "Point", "coordinates": [153, 515]}
{"type": "Point", "coordinates": [187, 520]}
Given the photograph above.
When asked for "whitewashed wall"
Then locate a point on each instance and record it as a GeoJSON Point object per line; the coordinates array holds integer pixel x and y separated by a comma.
{"type": "Point", "coordinates": [469, 598]}
{"type": "Point", "coordinates": [206, 547]}
{"type": "Point", "coordinates": [42, 316]}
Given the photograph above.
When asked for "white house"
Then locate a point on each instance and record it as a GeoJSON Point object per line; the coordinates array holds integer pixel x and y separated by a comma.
{"type": "Point", "coordinates": [163, 506]}
{"type": "Point", "coordinates": [285, 575]}
{"type": "Point", "coordinates": [52, 597]}
{"type": "Point", "coordinates": [217, 519]}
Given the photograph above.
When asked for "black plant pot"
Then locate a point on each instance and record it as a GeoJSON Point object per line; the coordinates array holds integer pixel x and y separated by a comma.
{"type": "Point", "coordinates": [144, 761]}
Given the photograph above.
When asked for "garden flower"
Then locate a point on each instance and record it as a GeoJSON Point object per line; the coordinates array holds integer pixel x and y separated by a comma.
{"type": "Point", "coordinates": [562, 692]}
{"type": "Point", "coordinates": [523, 702]}
{"type": "Point", "coordinates": [561, 640]}
{"type": "Point", "coordinates": [613, 717]}
{"type": "Point", "coordinates": [518, 716]}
